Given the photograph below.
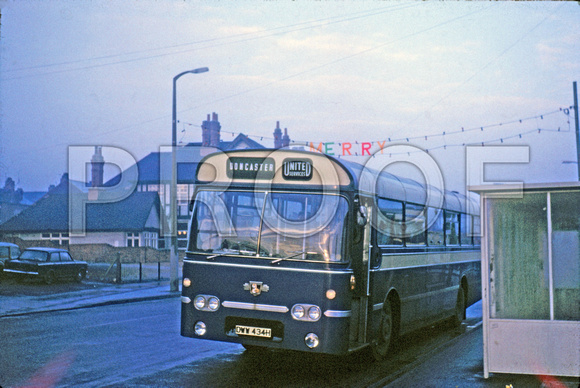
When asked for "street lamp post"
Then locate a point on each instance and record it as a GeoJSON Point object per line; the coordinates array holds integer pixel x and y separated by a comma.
{"type": "Point", "coordinates": [174, 257]}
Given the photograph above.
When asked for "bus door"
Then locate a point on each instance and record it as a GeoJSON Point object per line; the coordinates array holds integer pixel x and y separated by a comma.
{"type": "Point", "coordinates": [361, 250]}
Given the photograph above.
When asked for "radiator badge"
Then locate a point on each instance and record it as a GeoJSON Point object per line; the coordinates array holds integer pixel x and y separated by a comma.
{"type": "Point", "coordinates": [256, 288]}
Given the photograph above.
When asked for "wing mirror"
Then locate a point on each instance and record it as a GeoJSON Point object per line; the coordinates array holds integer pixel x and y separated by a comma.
{"type": "Point", "coordinates": [362, 215]}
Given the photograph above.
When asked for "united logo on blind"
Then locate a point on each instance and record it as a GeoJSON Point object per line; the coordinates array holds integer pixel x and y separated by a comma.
{"type": "Point", "coordinates": [250, 168]}
{"type": "Point", "coordinates": [297, 169]}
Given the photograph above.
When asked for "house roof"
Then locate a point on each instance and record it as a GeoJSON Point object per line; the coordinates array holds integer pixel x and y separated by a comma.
{"type": "Point", "coordinates": [149, 168]}
{"type": "Point", "coordinates": [235, 144]}
{"type": "Point", "coordinates": [30, 197]}
{"type": "Point", "coordinates": [51, 213]}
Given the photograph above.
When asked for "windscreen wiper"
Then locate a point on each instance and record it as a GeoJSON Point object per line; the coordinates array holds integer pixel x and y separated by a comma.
{"type": "Point", "coordinates": [291, 256]}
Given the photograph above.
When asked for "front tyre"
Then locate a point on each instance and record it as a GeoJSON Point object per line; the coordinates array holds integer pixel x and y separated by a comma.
{"type": "Point", "coordinates": [460, 308]}
{"type": "Point", "coordinates": [381, 345]}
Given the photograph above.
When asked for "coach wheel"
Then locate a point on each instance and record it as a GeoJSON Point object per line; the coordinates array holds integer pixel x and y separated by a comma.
{"type": "Point", "coordinates": [381, 345]}
{"type": "Point", "coordinates": [50, 277]}
{"type": "Point", "coordinates": [459, 308]}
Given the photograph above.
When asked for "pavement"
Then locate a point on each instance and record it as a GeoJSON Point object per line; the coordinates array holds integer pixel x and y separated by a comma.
{"type": "Point", "coordinates": [90, 294]}
{"type": "Point", "coordinates": [457, 363]}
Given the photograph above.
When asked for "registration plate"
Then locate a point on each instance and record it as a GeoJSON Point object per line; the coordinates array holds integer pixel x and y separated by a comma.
{"type": "Point", "coordinates": [253, 331]}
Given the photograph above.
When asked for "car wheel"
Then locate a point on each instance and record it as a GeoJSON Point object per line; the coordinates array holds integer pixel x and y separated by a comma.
{"type": "Point", "coordinates": [381, 345]}
{"type": "Point", "coordinates": [50, 277]}
{"type": "Point", "coordinates": [80, 276]}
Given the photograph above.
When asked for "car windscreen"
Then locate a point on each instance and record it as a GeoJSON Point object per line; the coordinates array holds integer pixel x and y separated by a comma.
{"type": "Point", "coordinates": [33, 255]}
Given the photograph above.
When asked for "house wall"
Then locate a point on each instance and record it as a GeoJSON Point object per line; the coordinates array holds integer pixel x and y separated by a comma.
{"type": "Point", "coordinates": [116, 239]}
{"type": "Point", "coordinates": [104, 253]}
{"type": "Point", "coordinates": [28, 236]}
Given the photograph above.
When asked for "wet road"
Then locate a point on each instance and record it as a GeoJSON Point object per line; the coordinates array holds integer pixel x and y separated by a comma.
{"type": "Point", "coordinates": [98, 346]}
{"type": "Point", "coordinates": [138, 344]}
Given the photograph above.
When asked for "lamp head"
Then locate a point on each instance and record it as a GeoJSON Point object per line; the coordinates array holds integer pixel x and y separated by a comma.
{"type": "Point", "coordinates": [200, 70]}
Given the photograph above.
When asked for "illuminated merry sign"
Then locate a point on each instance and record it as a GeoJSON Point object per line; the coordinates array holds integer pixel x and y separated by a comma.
{"type": "Point", "coordinates": [250, 168]}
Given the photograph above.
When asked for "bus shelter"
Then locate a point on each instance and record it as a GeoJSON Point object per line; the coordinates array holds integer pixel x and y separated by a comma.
{"type": "Point", "coordinates": [530, 266]}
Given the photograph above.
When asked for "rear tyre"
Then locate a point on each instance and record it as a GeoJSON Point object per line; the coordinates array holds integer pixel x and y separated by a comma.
{"type": "Point", "coordinates": [460, 308]}
{"type": "Point", "coordinates": [50, 277]}
{"type": "Point", "coordinates": [384, 341]}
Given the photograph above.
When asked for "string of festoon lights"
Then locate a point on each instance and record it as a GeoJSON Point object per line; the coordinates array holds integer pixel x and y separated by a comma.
{"type": "Point", "coordinates": [373, 147]}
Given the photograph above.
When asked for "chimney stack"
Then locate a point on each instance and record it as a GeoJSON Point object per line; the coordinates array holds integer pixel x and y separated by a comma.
{"type": "Point", "coordinates": [277, 136]}
{"type": "Point", "coordinates": [215, 131]}
{"type": "Point", "coordinates": [210, 131]}
{"type": "Point", "coordinates": [97, 167]}
{"type": "Point", "coordinates": [285, 138]}
{"type": "Point", "coordinates": [205, 134]}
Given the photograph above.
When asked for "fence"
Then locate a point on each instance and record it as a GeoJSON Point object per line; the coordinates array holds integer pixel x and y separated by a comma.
{"type": "Point", "coordinates": [119, 272]}
{"type": "Point", "coordinates": [113, 264]}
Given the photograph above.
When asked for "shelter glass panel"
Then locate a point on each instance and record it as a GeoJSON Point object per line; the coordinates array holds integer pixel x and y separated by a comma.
{"type": "Point", "coordinates": [566, 255]}
{"type": "Point", "coordinates": [518, 251]}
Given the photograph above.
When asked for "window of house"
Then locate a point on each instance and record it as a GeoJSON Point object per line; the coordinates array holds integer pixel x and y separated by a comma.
{"type": "Point", "coordinates": [59, 238]}
{"type": "Point", "coordinates": [132, 239]}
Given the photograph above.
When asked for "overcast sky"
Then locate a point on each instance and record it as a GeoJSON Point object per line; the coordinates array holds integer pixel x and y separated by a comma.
{"type": "Point", "coordinates": [100, 73]}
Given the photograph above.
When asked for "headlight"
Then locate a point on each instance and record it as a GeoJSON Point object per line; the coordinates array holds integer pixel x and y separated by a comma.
{"type": "Point", "coordinates": [199, 302]}
{"type": "Point", "coordinates": [206, 303]}
{"type": "Point", "coordinates": [298, 311]}
{"type": "Point", "coordinates": [311, 340]}
{"type": "Point", "coordinates": [306, 312]}
{"type": "Point", "coordinates": [314, 313]}
{"type": "Point", "coordinates": [200, 328]}
{"type": "Point", "coordinates": [213, 303]}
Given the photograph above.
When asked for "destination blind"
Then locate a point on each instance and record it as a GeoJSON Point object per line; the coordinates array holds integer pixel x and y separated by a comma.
{"type": "Point", "coordinates": [250, 168]}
